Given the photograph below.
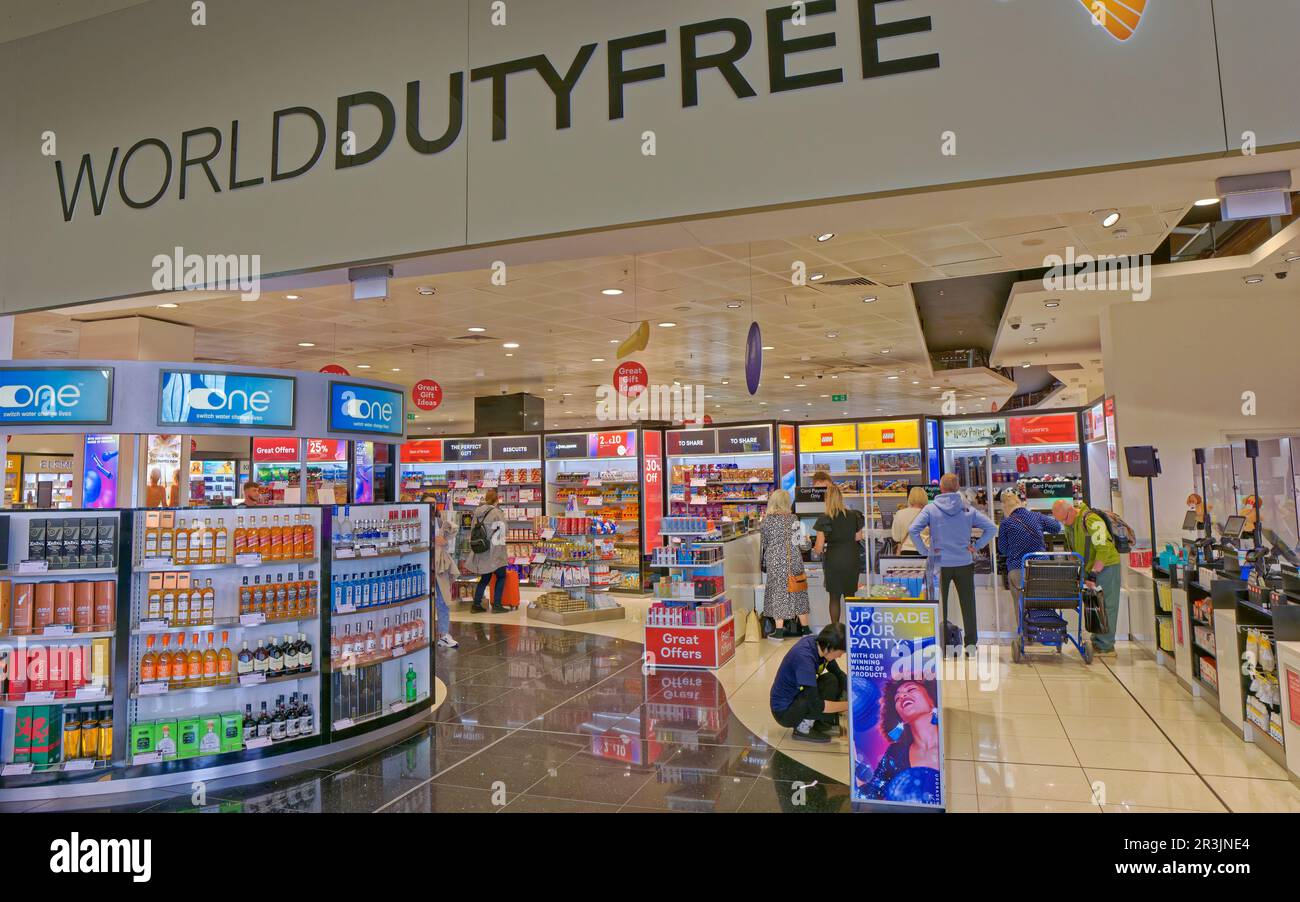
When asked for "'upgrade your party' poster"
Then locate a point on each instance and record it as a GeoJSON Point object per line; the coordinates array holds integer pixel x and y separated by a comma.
{"type": "Point", "coordinates": [895, 734]}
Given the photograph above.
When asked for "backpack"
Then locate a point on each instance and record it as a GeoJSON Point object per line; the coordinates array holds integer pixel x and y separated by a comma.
{"type": "Point", "coordinates": [1121, 534]}
{"type": "Point", "coordinates": [479, 540]}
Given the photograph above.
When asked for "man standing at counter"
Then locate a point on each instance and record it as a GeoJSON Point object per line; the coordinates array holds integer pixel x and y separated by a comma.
{"type": "Point", "coordinates": [950, 521]}
{"type": "Point", "coordinates": [1087, 535]}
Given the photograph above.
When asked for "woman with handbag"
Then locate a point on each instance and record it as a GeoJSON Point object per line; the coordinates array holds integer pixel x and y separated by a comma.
{"type": "Point", "coordinates": [785, 591]}
{"type": "Point", "coordinates": [839, 539]}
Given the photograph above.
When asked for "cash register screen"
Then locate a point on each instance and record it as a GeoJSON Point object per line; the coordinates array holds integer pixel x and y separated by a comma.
{"type": "Point", "coordinates": [1189, 521]}
{"type": "Point", "coordinates": [1232, 529]}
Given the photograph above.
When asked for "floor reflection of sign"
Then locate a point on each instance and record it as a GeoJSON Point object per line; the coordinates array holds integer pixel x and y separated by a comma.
{"type": "Point", "coordinates": [895, 734]}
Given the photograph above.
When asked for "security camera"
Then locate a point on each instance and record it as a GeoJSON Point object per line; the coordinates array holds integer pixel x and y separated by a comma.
{"type": "Point", "coordinates": [1281, 275]}
{"type": "Point", "coordinates": [1015, 324]}
{"type": "Point", "coordinates": [821, 376]}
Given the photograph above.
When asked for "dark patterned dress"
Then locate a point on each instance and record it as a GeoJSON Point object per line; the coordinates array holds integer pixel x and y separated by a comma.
{"type": "Point", "coordinates": [777, 534]}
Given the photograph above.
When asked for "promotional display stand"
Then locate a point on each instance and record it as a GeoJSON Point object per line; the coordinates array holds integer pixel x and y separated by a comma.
{"type": "Point", "coordinates": [572, 562]}
{"type": "Point", "coordinates": [691, 624]}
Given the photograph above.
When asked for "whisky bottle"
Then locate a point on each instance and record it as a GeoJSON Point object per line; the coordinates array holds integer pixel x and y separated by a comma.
{"type": "Point", "coordinates": [221, 544]}
{"type": "Point", "coordinates": [180, 664]}
{"type": "Point", "coordinates": [225, 661]}
{"type": "Point", "coordinates": [181, 543]}
{"type": "Point", "coordinates": [207, 544]}
{"type": "Point", "coordinates": [245, 598]}
{"type": "Point", "coordinates": [293, 726]}
{"type": "Point", "coordinates": [163, 664]}
{"type": "Point", "coordinates": [250, 722]}
{"type": "Point", "coordinates": [241, 536]}
{"type": "Point", "coordinates": [180, 606]}
{"type": "Point", "coordinates": [306, 720]}
{"type": "Point", "coordinates": [148, 661]}
{"type": "Point", "coordinates": [258, 596]}
{"type": "Point", "coordinates": [208, 605]}
{"type": "Point", "coordinates": [275, 664]}
{"type": "Point", "coordinates": [245, 663]}
{"type": "Point", "coordinates": [290, 650]}
{"type": "Point", "coordinates": [194, 664]}
{"type": "Point", "coordinates": [209, 663]}
{"type": "Point", "coordinates": [278, 724]}
{"type": "Point", "coordinates": [264, 724]}
{"type": "Point", "coordinates": [277, 540]}
{"type": "Point", "coordinates": [104, 716]}
{"type": "Point", "coordinates": [305, 650]}
{"type": "Point", "coordinates": [261, 660]}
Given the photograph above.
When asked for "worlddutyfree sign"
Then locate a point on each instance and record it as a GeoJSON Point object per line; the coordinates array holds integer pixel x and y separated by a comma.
{"type": "Point", "coordinates": [365, 408]}
{"type": "Point", "coordinates": [74, 396]}
{"type": "Point", "coordinates": [188, 398]}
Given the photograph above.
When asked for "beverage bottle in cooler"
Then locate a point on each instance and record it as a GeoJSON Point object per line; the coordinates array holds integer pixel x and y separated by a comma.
{"type": "Point", "coordinates": [245, 663]}
{"type": "Point", "coordinates": [277, 540]}
{"type": "Point", "coordinates": [225, 660]}
{"type": "Point", "coordinates": [292, 728]}
{"type": "Point", "coordinates": [250, 723]}
{"type": "Point", "coordinates": [240, 537]}
{"type": "Point", "coordinates": [264, 539]}
{"type": "Point", "coordinates": [370, 637]}
{"type": "Point", "coordinates": [221, 543]}
{"type": "Point", "coordinates": [194, 664]}
{"type": "Point", "coordinates": [275, 663]}
{"type": "Point", "coordinates": [264, 724]}
{"type": "Point", "coordinates": [163, 663]}
{"type": "Point", "coordinates": [209, 603]}
{"type": "Point", "coordinates": [261, 659]}
{"type": "Point", "coordinates": [180, 664]}
{"type": "Point", "coordinates": [148, 661]}
{"type": "Point", "coordinates": [210, 664]}
{"type": "Point", "coordinates": [181, 543]}
{"type": "Point", "coordinates": [305, 649]}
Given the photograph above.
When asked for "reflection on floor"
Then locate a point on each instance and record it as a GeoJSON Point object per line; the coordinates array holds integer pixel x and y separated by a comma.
{"type": "Point", "coordinates": [545, 719]}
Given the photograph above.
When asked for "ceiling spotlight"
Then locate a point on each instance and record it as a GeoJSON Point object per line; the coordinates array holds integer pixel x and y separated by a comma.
{"type": "Point", "coordinates": [508, 354]}
{"type": "Point", "coordinates": [785, 410]}
{"type": "Point", "coordinates": [1254, 280]}
{"type": "Point", "coordinates": [1292, 258]}
{"type": "Point", "coordinates": [611, 292]}
{"type": "Point", "coordinates": [1039, 328]}
{"type": "Point", "coordinates": [598, 360]}
{"type": "Point", "coordinates": [363, 366]}
{"type": "Point", "coordinates": [832, 335]}
{"type": "Point", "coordinates": [667, 325]}
{"type": "Point", "coordinates": [817, 277]}
{"type": "Point", "coordinates": [885, 350]}
{"type": "Point", "coordinates": [396, 369]}
{"type": "Point", "coordinates": [893, 378]}
{"type": "Point", "coordinates": [1031, 341]}
{"type": "Point", "coordinates": [169, 306]}
{"type": "Point", "coordinates": [825, 396]}
{"type": "Point", "coordinates": [1206, 202]}
{"type": "Point", "coordinates": [427, 291]}
{"type": "Point", "coordinates": [870, 299]}
{"type": "Point", "coordinates": [292, 297]}
{"type": "Point", "coordinates": [476, 329]}
{"type": "Point", "coordinates": [510, 344]}
{"type": "Point", "coordinates": [734, 306]}
{"type": "Point", "coordinates": [726, 381]}
{"type": "Point", "coordinates": [550, 389]}
{"type": "Point", "coordinates": [1052, 304]}
{"type": "Point", "coordinates": [1024, 366]}
{"type": "Point", "coordinates": [802, 385]}
{"type": "Point", "coordinates": [825, 236]}
{"type": "Point", "coordinates": [568, 394]}
{"type": "Point", "coordinates": [785, 376]}
{"type": "Point", "coordinates": [916, 381]}
{"type": "Point", "coordinates": [1110, 219]}
{"type": "Point", "coordinates": [306, 344]}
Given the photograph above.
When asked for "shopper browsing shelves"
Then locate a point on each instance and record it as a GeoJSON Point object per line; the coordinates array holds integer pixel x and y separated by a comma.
{"type": "Point", "coordinates": [839, 538]}
{"type": "Point", "coordinates": [809, 691]}
{"type": "Point", "coordinates": [1087, 535]}
{"type": "Point", "coordinates": [951, 521]}
{"type": "Point", "coordinates": [487, 543]}
{"type": "Point", "coordinates": [917, 499]}
{"type": "Point", "coordinates": [1021, 533]}
{"type": "Point", "coordinates": [444, 571]}
{"type": "Point", "coordinates": [780, 540]}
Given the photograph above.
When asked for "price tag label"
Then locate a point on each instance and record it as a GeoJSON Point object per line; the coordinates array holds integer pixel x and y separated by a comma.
{"type": "Point", "coordinates": [594, 483]}
{"type": "Point", "coordinates": [346, 609]}
{"type": "Point", "coordinates": [396, 707]}
{"type": "Point", "coordinates": [460, 484]}
{"type": "Point", "coordinates": [33, 566]}
{"type": "Point", "coordinates": [344, 554]}
{"type": "Point", "coordinates": [488, 484]}
{"type": "Point", "coordinates": [698, 483]}
{"type": "Point", "coordinates": [157, 688]}
{"type": "Point", "coordinates": [91, 694]}
{"type": "Point", "coordinates": [147, 758]}
{"type": "Point", "coordinates": [753, 479]}
{"type": "Point", "coordinates": [344, 724]}
{"type": "Point", "coordinates": [148, 625]}
{"type": "Point", "coordinates": [257, 618]}
{"type": "Point", "coordinates": [252, 679]}
{"type": "Point", "coordinates": [548, 534]}
{"type": "Point", "coordinates": [399, 650]}
{"type": "Point", "coordinates": [17, 770]}
{"type": "Point", "coordinates": [258, 742]}
{"type": "Point", "coordinates": [539, 558]}
{"type": "Point", "coordinates": [248, 559]}
{"type": "Point", "coordinates": [62, 629]}
{"type": "Point", "coordinates": [594, 499]}
{"type": "Point", "coordinates": [404, 549]}
{"type": "Point", "coordinates": [369, 551]}
{"type": "Point", "coordinates": [79, 764]}
{"type": "Point", "coordinates": [38, 697]}
{"type": "Point", "coordinates": [699, 499]}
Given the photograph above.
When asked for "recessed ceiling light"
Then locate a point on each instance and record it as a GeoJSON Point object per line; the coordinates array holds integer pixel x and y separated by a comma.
{"type": "Point", "coordinates": [762, 403]}
{"type": "Point", "coordinates": [1293, 258]}
{"type": "Point", "coordinates": [292, 297]}
{"type": "Point", "coordinates": [508, 354]}
{"type": "Point", "coordinates": [832, 335]}
{"type": "Point", "coordinates": [363, 366]}
{"type": "Point", "coordinates": [169, 306]}
{"type": "Point", "coordinates": [1207, 202]}
{"type": "Point", "coordinates": [817, 276]}
{"type": "Point", "coordinates": [893, 378]}
{"type": "Point", "coordinates": [807, 403]}
{"type": "Point", "coordinates": [611, 292]}
{"type": "Point", "coordinates": [1024, 366]}
{"type": "Point", "coordinates": [396, 369]}
{"type": "Point", "coordinates": [510, 344]}
{"type": "Point", "coordinates": [726, 381]}
{"type": "Point", "coordinates": [668, 325]}
{"type": "Point", "coordinates": [1031, 341]}
{"type": "Point", "coordinates": [916, 381]}
{"type": "Point", "coordinates": [306, 344]}
{"type": "Point", "coordinates": [427, 291]}
{"type": "Point", "coordinates": [476, 329]}
{"type": "Point", "coordinates": [801, 385]}
{"type": "Point", "coordinates": [870, 299]}
{"type": "Point", "coordinates": [825, 396]}
{"type": "Point", "coordinates": [734, 306]}
{"type": "Point", "coordinates": [1254, 280]}
{"type": "Point", "coordinates": [598, 360]}
{"type": "Point", "coordinates": [1039, 328]}
{"type": "Point", "coordinates": [934, 388]}
{"type": "Point", "coordinates": [884, 350]}
{"type": "Point", "coordinates": [825, 236]}
{"type": "Point", "coordinates": [785, 410]}
{"type": "Point", "coordinates": [568, 394]}
{"type": "Point", "coordinates": [785, 376]}
{"type": "Point", "coordinates": [1052, 304]}
{"type": "Point", "coordinates": [1110, 219]}
{"type": "Point", "coordinates": [768, 348]}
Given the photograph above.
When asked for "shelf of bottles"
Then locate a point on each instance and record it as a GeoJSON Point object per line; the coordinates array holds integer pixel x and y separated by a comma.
{"type": "Point", "coordinates": [690, 623]}
{"type": "Point", "coordinates": [224, 631]}
{"type": "Point", "coordinates": [607, 492]}
{"type": "Point", "coordinates": [380, 624]}
{"type": "Point", "coordinates": [58, 608]}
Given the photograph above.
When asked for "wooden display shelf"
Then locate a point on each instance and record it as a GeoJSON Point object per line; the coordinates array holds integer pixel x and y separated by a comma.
{"type": "Point", "coordinates": [576, 617]}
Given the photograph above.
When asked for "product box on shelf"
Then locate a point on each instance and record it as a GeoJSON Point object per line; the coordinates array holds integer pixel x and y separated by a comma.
{"type": "Point", "coordinates": [6, 603]}
{"type": "Point", "coordinates": [187, 741]}
{"type": "Point", "coordinates": [38, 734]}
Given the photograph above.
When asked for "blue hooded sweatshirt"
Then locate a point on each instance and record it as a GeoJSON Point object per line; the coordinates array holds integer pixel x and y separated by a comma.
{"type": "Point", "coordinates": [950, 520]}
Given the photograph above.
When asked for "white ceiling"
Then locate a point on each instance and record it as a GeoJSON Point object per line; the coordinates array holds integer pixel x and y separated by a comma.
{"type": "Point", "coordinates": [23, 18]}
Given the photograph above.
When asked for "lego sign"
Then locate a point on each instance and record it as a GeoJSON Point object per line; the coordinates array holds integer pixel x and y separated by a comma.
{"type": "Point", "coordinates": [426, 394]}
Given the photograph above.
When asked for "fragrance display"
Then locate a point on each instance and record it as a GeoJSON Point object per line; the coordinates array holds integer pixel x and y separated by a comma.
{"type": "Point", "coordinates": [379, 659]}
{"type": "Point", "coordinates": [690, 623]}
{"type": "Point", "coordinates": [597, 476]}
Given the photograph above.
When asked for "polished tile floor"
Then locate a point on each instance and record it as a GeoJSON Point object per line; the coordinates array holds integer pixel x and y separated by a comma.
{"type": "Point", "coordinates": [543, 719]}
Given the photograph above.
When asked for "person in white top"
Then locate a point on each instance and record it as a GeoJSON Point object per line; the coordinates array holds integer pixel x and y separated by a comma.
{"type": "Point", "coordinates": [917, 499]}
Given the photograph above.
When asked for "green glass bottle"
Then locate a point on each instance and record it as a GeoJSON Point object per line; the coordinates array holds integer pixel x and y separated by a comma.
{"type": "Point", "coordinates": [411, 678]}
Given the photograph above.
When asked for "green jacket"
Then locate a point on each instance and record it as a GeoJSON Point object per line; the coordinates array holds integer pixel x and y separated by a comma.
{"type": "Point", "coordinates": [1079, 539]}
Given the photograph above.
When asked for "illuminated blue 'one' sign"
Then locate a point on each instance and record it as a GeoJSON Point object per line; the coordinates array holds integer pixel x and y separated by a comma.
{"type": "Point", "coordinates": [72, 396]}
{"type": "Point", "coordinates": [365, 408]}
{"type": "Point", "coordinates": [190, 398]}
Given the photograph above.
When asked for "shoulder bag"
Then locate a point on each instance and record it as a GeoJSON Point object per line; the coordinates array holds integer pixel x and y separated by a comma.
{"type": "Point", "coordinates": [794, 582]}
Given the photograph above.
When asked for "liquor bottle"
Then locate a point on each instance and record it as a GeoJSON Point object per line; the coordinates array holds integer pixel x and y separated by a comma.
{"type": "Point", "coordinates": [194, 664]}
{"type": "Point", "coordinates": [71, 736]}
{"type": "Point", "coordinates": [221, 544]}
{"type": "Point", "coordinates": [305, 650]}
{"type": "Point", "coordinates": [225, 661]}
{"type": "Point", "coordinates": [207, 543]}
{"type": "Point", "coordinates": [281, 608]}
{"type": "Point", "coordinates": [163, 664]}
{"type": "Point", "coordinates": [336, 649]}
{"type": "Point", "coordinates": [105, 730]}
{"type": "Point", "coordinates": [208, 604]}
{"type": "Point", "coordinates": [210, 664]}
{"type": "Point", "coordinates": [250, 722]}
{"type": "Point", "coordinates": [275, 664]}
{"type": "Point", "coordinates": [241, 536]}
{"type": "Point", "coordinates": [261, 659]}
{"type": "Point", "coordinates": [386, 636]}
{"type": "Point", "coordinates": [153, 602]}
{"type": "Point", "coordinates": [245, 662]}
{"type": "Point", "coordinates": [306, 719]}
{"type": "Point", "coordinates": [278, 724]}
{"type": "Point", "coordinates": [180, 664]}
{"type": "Point", "coordinates": [180, 606]}
{"type": "Point", "coordinates": [181, 543]}
{"type": "Point", "coordinates": [148, 661]}
{"type": "Point", "coordinates": [371, 645]}
{"type": "Point", "coordinates": [411, 678]}
{"type": "Point", "coordinates": [308, 537]}
{"type": "Point", "coordinates": [264, 724]}
{"type": "Point", "coordinates": [245, 597]}
{"type": "Point", "coordinates": [169, 605]}
{"type": "Point", "coordinates": [258, 596]}
{"type": "Point", "coordinates": [196, 541]}
{"type": "Point", "coordinates": [151, 539]}
{"type": "Point", "coordinates": [277, 540]}
{"type": "Point", "coordinates": [210, 741]}
{"type": "Point", "coordinates": [264, 539]}
{"type": "Point", "coordinates": [292, 603]}
{"type": "Point", "coordinates": [166, 742]}
{"type": "Point", "coordinates": [293, 726]}
{"type": "Point", "coordinates": [289, 647]}
{"type": "Point", "coordinates": [167, 543]}
{"type": "Point", "coordinates": [311, 593]}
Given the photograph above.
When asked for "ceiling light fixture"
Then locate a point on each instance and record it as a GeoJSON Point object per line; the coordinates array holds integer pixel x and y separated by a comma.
{"type": "Point", "coordinates": [363, 366]}
{"type": "Point", "coordinates": [1024, 366]}
{"type": "Point", "coordinates": [169, 306]}
{"type": "Point", "coordinates": [511, 344]}
{"type": "Point", "coordinates": [768, 348]}
{"type": "Point", "coordinates": [734, 306]}
{"type": "Point", "coordinates": [1110, 219]}
{"type": "Point", "coordinates": [825, 236]}
{"type": "Point", "coordinates": [817, 277]}
{"type": "Point", "coordinates": [1051, 304]}
{"type": "Point", "coordinates": [1292, 258]}
{"type": "Point", "coordinates": [611, 292]}
{"type": "Point", "coordinates": [1206, 202]}
{"type": "Point", "coordinates": [476, 329]}
{"type": "Point", "coordinates": [306, 344]}
{"type": "Point", "coordinates": [802, 385]}
{"type": "Point", "coordinates": [893, 378]}
{"type": "Point", "coordinates": [1031, 341]}
{"type": "Point", "coordinates": [292, 297]}
{"type": "Point", "coordinates": [598, 360]}
{"type": "Point", "coordinates": [726, 381]}
{"type": "Point", "coordinates": [884, 350]}
{"type": "Point", "coordinates": [396, 369]}
{"type": "Point", "coordinates": [668, 325]}
{"type": "Point", "coordinates": [427, 291]}
{"type": "Point", "coordinates": [1253, 279]}
{"type": "Point", "coordinates": [832, 335]}
{"type": "Point", "coordinates": [870, 299]}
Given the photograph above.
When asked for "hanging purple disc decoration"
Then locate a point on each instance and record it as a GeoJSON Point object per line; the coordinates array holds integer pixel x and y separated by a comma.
{"type": "Point", "coordinates": [753, 358]}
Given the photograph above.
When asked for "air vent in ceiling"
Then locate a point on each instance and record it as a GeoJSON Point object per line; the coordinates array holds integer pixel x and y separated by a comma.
{"type": "Point", "coordinates": [473, 339]}
{"type": "Point", "coordinates": [858, 282]}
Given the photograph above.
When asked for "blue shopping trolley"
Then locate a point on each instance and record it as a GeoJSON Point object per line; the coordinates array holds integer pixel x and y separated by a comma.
{"type": "Point", "coordinates": [1050, 582]}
